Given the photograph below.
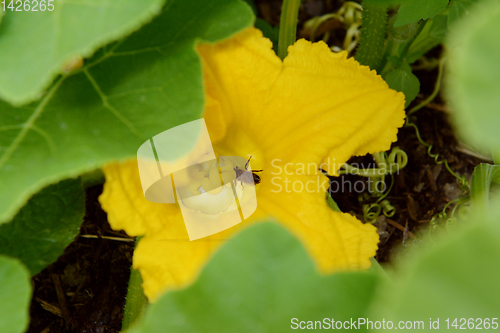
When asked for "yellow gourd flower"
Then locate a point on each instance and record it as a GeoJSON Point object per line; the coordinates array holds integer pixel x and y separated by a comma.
{"type": "Point", "coordinates": [315, 109]}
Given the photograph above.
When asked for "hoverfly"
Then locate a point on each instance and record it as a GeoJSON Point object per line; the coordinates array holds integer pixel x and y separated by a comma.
{"type": "Point", "coordinates": [247, 174]}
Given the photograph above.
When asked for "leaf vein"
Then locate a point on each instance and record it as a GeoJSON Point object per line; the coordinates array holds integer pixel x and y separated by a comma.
{"type": "Point", "coordinates": [30, 123]}
{"type": "Point", "coordinates": [47, 137]}
{"type": "Point", "coordinates": [108, 106]}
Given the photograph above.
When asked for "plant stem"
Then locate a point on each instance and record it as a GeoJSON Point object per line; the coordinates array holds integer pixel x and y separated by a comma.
{"type": "Point", "coordinates": [331, 203]}
{"type": "Point", "coordinates": [373, 30]}
{"type": "Point", "coordinates": [437, 87]}
{"type": "Point", "coordinates": [288, 26]}
{"type": "Point", "coordinates": [136, 300]}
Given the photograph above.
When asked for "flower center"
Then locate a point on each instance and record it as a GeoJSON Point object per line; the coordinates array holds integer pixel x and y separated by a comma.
{"type": "Point", "coordinates": [210, 187]}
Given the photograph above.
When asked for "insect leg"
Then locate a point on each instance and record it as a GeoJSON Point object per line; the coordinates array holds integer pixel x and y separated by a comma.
{"type": "Point", "coordinates": [246, 165]}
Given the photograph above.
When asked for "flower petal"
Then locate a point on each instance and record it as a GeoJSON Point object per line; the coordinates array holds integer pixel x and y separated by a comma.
{"type": "Point", "coordinates": [165, 256]}
{"type": "Point", "coordinates": [124, 201]}
{"type": "Point", "coordinates": [168, 263]}
{"type": "Point", "coordinates": [337, 241]}
{"type": "Point", "coordinates": [317, 107]}
{"type": "Point", "coordinates": [238, 74]}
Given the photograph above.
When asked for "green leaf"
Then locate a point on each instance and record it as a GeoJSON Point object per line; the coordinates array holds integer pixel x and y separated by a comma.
{"type": "Point", "coordinates": [459, 9]}
{"type": "Point", "coordinates": [397, 44]}
{"type": "Point", "coordinates": [414, 10]}
{"type": "Point", "coordinates": [269, 31]}
{"type": "Point", "coordinates": [496, 156]}
{"type": "Point", "coordinates": [128, 92]}
{"type": "Point", "coordinates": [258, 282]}
{"type": "Point", "coordinates": [483, 177]}
{"type": "Point", "coordinates": [402, 79]}
{"type": "Point", "coordinates": [455, 277]}
{"type": "Point", "coordinates": [473, 85]}
{"type": "Point", "coordinates": [44, 227]}
{"type": "Point", "coordinates": [433, 34]}
{"type": "Point", "coordinates": [36, 44]}
{"type": "Point", "coordinates": [15, 288]}
{"type": "Point", "coordinates": [252, 5]}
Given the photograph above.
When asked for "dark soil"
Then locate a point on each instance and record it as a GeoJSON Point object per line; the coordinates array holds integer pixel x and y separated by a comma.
{"type": "Point", "coordinates": [422, 189]}
{"type": "Point", "coordinates": [84, 291]}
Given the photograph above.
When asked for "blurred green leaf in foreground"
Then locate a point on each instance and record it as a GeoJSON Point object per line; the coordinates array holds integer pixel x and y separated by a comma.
{"type": "Point", "coordinates": [473, 76]}
{"type": "Point", "coordinates": [258, 282]}
{"type": "Point", "coordinates": [456, 277]}
{"type": "Point", "coordinates": [15, 295]}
